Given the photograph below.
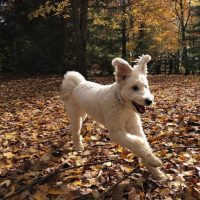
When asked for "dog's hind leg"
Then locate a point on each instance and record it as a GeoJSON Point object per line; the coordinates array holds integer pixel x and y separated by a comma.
{"type": "Point", "coordinates": [76, 117]}
{"type": "Point", "coordinates": [76, 124]}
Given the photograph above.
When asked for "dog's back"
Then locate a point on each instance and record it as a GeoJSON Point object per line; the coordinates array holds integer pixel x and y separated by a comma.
{"type": "Point", "coordinates": [81, 96]}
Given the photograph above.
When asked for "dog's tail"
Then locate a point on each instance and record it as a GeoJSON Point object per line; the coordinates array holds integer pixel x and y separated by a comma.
{"type": "Point", "coordinates": [70, 81]}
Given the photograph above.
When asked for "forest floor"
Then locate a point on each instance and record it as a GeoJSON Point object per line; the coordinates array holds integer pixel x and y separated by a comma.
{"type": "Point", "coordinates": [35, 142]}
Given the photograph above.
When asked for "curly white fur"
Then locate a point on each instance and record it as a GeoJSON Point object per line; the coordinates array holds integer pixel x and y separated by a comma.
{"type": "Point", "coordinates": [116, 106]}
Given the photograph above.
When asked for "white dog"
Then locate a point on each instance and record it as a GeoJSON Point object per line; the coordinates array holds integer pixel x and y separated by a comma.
{"type": "Point", "coordinates": [116, 106]}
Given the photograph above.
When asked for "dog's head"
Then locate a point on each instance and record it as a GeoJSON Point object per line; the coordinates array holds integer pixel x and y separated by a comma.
{"type": "Point", "coordinates": [133, 83]}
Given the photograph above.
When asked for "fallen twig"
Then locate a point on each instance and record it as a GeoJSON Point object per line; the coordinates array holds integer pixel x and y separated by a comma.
{"type": "Point", "coordinates": [60, 169]}
{"type": "Point", "coordinates": [87, 197]}
{"type": "Point", "coordinates": [106, 192]}
{"type": "Point", "coordinates": [192, 147]}
{"type": "Point", "coordinates": [179, 147]}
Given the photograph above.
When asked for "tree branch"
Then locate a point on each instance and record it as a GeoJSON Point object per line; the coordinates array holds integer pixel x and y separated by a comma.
{"type": "Point", "coordinates": [189, 14]}
{"type": "Point", "coordinates": [176, 10]}
{"type": "Point", "coordinates": [115, 7]}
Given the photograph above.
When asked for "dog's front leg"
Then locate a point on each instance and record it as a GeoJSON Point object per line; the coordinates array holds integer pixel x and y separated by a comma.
{"type": "Point", "coordinates": [141, 148]}
{"type": "Point", "coordinates": [137, 129]}
{"type": "Point", "coordinates": [134, 126]}
{"type": "Point", "coordinates": [137, 145]}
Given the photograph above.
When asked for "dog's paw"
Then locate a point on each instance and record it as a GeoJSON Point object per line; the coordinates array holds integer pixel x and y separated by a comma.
{"type": "Point", "coordinates": [156, 173]}
{"type": "Point", "coordinates": [79, 147]}
{"type": "Point", "coordinates": [159, 175]}
{"type": "Point", "coordinates": [154, 161]}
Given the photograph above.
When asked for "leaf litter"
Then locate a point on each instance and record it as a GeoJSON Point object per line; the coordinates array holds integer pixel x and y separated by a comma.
{"type": "Point", "coordinates": [35, 141]}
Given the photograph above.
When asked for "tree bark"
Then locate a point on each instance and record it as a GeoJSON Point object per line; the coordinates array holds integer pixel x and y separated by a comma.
{"type": "Point", "coordinates": [183, 25]}
{"type": "Point", "coordinates": [124, 39]}
{"type": "Point", "coordinates": [183, 39]}
{"type": "Point", "coordinates": [80, 14]}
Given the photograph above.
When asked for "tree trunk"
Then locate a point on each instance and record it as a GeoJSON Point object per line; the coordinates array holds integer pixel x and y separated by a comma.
{"type": "Point", "coordinates": [80, 14]}
{"type": "Point", "coordinates": [184, 50]}
{"type": "Point", "coordinates": [183, 39]}
{"type": "Point", "coordinates": [185, 54]}
{"type": "Point", "coordinates": [177, 63]}
{"type": "Point", "coordinates": [170, 62]}
{"type": "Point", "coordinates": [123, 30]}
{"type": "Point", "coordinates": [64, 43]}
{"type": "Point", "coordinates": [124, 39]}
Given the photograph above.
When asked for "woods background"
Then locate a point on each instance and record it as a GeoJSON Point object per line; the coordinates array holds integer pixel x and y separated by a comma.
{"type": "Point", "coordinates": [56, 36]}
{"type": "Point", "coordinates": [39, 41]}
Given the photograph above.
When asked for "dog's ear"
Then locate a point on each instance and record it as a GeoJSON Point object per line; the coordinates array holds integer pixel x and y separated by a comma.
{"type": "Point", "coordinates": [142, 64]}
{"type": "Point", "coordinates": [122, 69]}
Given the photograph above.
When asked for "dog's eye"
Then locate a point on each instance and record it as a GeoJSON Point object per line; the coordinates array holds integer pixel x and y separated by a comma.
{"type": "Point", "coordinates": [135, 88]}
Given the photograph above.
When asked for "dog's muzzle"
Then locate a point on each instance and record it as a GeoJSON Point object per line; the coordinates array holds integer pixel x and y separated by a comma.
{"type": "Point", "coordinates": [139, 108]}
{"type": "Point", "coordinates": [148, 102]}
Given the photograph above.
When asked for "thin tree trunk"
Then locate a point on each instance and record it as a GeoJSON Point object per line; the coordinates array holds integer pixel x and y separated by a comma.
{"type": "Point", "coordinates": [124, 39]}
{"type": "Point", "coordinates": [183, 38]}
{"type": "Point", "coordinates": [80, 14]}
{"type": "Point", "coordinates": [64, 43]}
{"type": "Point", "coordinates": [177, 63]}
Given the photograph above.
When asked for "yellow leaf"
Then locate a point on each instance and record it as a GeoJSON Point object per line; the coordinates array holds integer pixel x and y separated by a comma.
{"type": "Point", "coordinates": [11, 191]}
{"type": "Point", "coordinates": [45, 157]}
{"type": "Point", "coordinates": [6, 183]}
{"type": "Point", "coordinates": [126, 168]}
{"type": "Point", "coordinates": [124, 153]}
{"type": "Point", "coordinates": [88, 127]}
{"type": "Point", "coordinates": [40, 196]}
{"type": "Point", "coordinates": [98, 167]}
{"type": "Point", "coordinates": [44, 188]}
{"type": "Point", "coordinates": [87, 138]}
{"type": "Point", "coordinates": [162, 153]}
{"type": "Point", "coordinates": [120, 149]}
{"type": "Point", "coordinates": [55, 191]}
{"type": "Point", "coordinates": [174, 145]}
{"type": "Point", "coordinates": [32, 150]}
{"type": "Point", "coordinates": [77, 183]}
{"type": "Point", "coordinates": [10, 136]}
{"type": "Point", "coordinates": [8, 155]}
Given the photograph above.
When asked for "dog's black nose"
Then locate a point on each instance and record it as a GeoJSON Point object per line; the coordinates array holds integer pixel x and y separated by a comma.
{"type": "Point", "coordinates": [148, 102]}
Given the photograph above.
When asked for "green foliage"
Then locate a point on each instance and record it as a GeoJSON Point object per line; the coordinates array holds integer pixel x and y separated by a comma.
{"type": "Point", "coordinates": [103, 45]}
{"type": "Point", "coordinates": [39, 35]}
{"type": "Point", "coordinates": [28, 46]}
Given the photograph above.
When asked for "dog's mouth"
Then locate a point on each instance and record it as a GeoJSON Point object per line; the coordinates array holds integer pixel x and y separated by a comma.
{"type": "Point", "coordinates": [140, 108]}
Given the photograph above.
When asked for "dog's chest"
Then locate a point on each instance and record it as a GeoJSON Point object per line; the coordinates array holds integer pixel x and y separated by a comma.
{"type": "Point", "coordinates": [125, 116]}
{"type": "Point", "coordinates": [119, 118]}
